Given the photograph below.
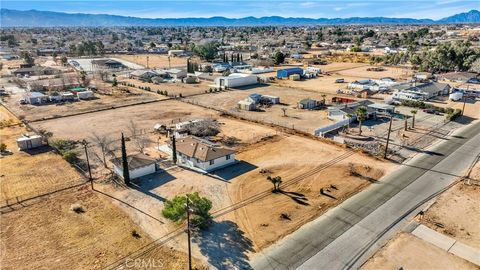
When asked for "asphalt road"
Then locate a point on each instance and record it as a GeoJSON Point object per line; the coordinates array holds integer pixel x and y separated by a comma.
{"type": "Point", "coordinates": [346, 236]}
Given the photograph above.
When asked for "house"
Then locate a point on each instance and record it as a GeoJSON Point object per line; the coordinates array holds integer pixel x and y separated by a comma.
{"type": "Point", "coordinates": [138, 165]}
{"type": "Point", "coordinates": [422, 91]}
{"type": "Point", "coordinates": [202, 155]}
{"type": "Point", "coordinates": [29, 142]}
{"type": "Point", "coordinates": [287, 72]}
{"type": "Point", "coordinates": [382, 108]}
{"type": "Point", "coordinates": [35, 70]}
{"type": "Point", "coordinates": [464, 77]}
{"type": "Point", "coordinates": [307, 104]}
{"type": "Point", "coordinates": [108, 64]}
{"type": "Point", "coordinates": [35, 98]}
{"type": "Point", "coordinates": [143, 75]}
{"type": "Point", "coordinates": [176, 74]}
{"type": "Point", "coordinates": [236, 80]}
{"type": "Point", "coordinates": [422, 76]}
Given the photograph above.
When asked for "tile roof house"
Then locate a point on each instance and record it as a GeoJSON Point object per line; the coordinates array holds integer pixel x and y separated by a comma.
{"type": "Point", "coordinates": [202, 155]}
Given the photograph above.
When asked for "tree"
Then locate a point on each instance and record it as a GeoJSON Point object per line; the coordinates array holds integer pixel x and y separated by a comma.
{"type": "Point", "coordinates": [3, 147]}
{"type": "Point", "coordinates": [174, 150]}
{"type": "Point", "coordinates": [279, 58]}
{"type": "Point", "coordinates": [126, 171]}
{"type": "Point", "coordinates": [276, 181]}
{"type": "Point", "coordinates": [349, 115]}
{"type": "Point", "coordinates": [207, 51]}
{"type": "Point", "coordinates": [104, 142]}
{"type": "Point", "coordinates": [27, 57]}
{"type": "Point", "coordinates": [284, 112]}
{"type": "Point", "coordinates": [324, 99]}
{"type": "Point", "coordinates": [413, 117]}
{"type": "Point", "coordinates": [140, 140]}
{"type": "Point", "coordinates": [176, 209]}
{"type": "Point", "coordinates": [152, 44]}
{"type": "Point", "coordinates": [64, 60]}
{"type": "Point", "coordinates": [361, 113]}
{"type": "Point", "coordinates": [406, 124]}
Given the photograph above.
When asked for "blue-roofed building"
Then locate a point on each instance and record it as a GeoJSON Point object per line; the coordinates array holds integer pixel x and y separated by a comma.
{"type": "Point", "coordinates": [285, 73]}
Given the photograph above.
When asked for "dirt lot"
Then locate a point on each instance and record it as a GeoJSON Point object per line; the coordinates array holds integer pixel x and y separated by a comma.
{"type": "Point", "coordinates": [304, 120]}
{"type": "Point", "coordinates": [114, 97]}
{"type": "Point", "coordinates": [301, 200]}
{"type": "Point", "coordinates": [90, 240]}
{"type": "Point", "coordinates": [258, 224]}
{"type": "Point", "coordinates": [174, 88]}
{"type": "Point", "coordinates": [154, 60]}
{"type": "Point", "coordinates": [457, 212]}
{"type": "Point", "coordinates": [410, 252]}
{"type": "Point", "coordinates": [28, 174]}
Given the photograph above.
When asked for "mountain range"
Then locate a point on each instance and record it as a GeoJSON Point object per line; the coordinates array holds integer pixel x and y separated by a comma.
{"type": "Point", "coordinates": [35, 18]}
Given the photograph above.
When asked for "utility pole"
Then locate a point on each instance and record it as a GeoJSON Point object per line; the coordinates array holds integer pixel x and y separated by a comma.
{"type": "Point", "coordinates": [188, 235]}
{"type": "Point", "coordinates": [388, 136]}
{"type": "Point", "coordinates": [147, 61]}
{"type": "Point", "coordinates": [465, 99]}
{"type": "Point", "coordinates": [88, 163]}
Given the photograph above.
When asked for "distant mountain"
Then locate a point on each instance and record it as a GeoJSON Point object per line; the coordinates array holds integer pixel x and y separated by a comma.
{"type": "Point", "coordinates": [473, 16]}
{"type": "Point", "coordinates": [35, 18]}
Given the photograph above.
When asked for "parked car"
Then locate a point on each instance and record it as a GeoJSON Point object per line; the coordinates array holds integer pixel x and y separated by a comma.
{"type": "Point", "coordinates": [431, 111]}
{"type": "Point", "coordinates": [339, 80]}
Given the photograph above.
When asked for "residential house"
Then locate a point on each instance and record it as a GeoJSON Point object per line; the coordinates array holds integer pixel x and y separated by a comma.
{"type": "Point", "coordinates": [422, 91]}
{"type": "Point", "coordinates": [202, 155]}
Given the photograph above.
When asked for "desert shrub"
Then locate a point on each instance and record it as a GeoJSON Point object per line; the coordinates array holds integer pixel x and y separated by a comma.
{"type": "Point", "coordinates": [135, 234]}
{"type": "Point", "coordinates": [71, 156]}
{"type": "Point", "coordinates": [3, 147]}
{"type": "Point", "coordinates": [77, 208]}
{"type": "Point", "coordinates": [454, 115]}
{"type": "Point", "coordinates": [176, 209]}
{"type": "Point", "coordinates": [66, 149]}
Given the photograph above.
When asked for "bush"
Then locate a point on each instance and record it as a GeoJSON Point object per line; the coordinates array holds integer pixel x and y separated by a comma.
{"type": "Point", "coordinates": [3, 147]}
{"type": "Point", "coordinates": [71, 156]}
{"type": "Point", "coordinates": [175, 209]}
{"type": "Point", "coordinates": [66, 149]}
{"type": "Point", "coordinates": [77, 208]}
{"type": "Point", "coordinates": [454, 115]}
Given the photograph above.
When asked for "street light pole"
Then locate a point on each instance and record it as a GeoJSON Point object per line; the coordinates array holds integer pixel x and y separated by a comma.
{"type": "Point", "coordinates": [388, 136]}
{"type": "Point", "coordinates": [188, 235]}
{"type": "Point", "coordinates": [88, 163]}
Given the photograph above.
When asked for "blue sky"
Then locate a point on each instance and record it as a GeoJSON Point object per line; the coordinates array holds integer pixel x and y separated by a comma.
{"type": "Point", "coordinates": [433, 9]}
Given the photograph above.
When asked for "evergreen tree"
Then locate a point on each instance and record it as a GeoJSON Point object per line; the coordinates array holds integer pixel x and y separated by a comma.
{"type": "Point", "coordinates": [126, 172]}
{"type": "Point", "coordinates": [174, 150]}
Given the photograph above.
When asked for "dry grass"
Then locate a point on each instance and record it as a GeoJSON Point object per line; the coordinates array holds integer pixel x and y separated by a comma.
{"type": "Point", "coordinates": [49, 235]}
{"type": "Point", "coordinates": [25, 175]}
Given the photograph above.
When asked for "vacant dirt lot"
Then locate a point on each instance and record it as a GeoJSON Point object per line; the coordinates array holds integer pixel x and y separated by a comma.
{"type": "Point", "coordinates": [27, 174]}
{"type": "Point", "coordinates": [154, 60]}
{"type": "Point", "coordinates": [301, 200]}
{"type": "Point", "coordinates": [114, 97]}
{"type": "Point", "coordinates": [457, 212]}
{"type": "Point", "coordinates": [410, 252]}
{"type": "Point", "coordinates": [49, 235]}
{"type": "Point", "coordinates": [304, 120]}
{"type": "Point", "coordinates": [175, 89]}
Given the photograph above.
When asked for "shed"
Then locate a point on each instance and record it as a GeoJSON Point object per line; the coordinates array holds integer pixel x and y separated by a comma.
{"type": "Point", "coordinates": [285, 73]}
{"type": "Point", "coordinates": [29, 142]}
{"type": "Point", "coordinates": [272, 99]}
{"type": "Point", "coordinates": [85, 94]}
{"type": "Point", "coordinates": [138, 165]}
{"type": "Point", "coordinates": [246, 105]}
{"type": "Point", "coordinates": [307, 104]}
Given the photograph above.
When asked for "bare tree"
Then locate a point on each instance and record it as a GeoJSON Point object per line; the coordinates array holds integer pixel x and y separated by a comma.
{"type": "Point", "coordinates": [139, 138]}
{"type": "Point", "coordinates": [104, 143]}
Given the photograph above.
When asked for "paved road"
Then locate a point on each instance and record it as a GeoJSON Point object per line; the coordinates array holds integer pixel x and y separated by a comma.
{"type": "Point", "coordinates": [346, 236]}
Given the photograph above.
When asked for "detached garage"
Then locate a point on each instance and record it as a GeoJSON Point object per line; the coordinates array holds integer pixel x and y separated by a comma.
{"type": "Point", "coordinates": [236, 80]}
{"type": "Point", "coordinates": [138, 165]}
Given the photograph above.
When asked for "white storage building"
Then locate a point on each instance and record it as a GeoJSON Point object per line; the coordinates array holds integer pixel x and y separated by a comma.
{"type": "Point", "coordinates": [29, 142]}
{"type": "Point", "coordinates": [236, 80]}
{"type": "Point", "coordinates": [138, 165]}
